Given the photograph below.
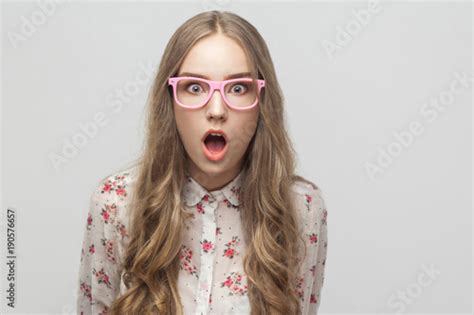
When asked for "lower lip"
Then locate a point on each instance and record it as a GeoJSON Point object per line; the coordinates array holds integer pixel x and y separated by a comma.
{"type": "Point", "coordinates": [214, 156]}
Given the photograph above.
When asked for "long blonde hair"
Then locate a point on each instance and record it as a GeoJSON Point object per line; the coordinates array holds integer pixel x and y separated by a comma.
{"type": "Point", "coordinates": [269, 219]}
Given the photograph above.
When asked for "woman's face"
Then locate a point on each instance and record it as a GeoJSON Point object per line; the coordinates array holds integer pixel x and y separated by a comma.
{"type": "Point", "coordinates": [215, 57]}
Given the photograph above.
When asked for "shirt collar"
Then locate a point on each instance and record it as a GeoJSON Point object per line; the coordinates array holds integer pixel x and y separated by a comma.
{"type": "Point", "coordinates": [194, 192]}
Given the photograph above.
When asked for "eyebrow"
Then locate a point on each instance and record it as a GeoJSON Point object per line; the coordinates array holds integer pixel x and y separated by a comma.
{"type": "Point", "coordinates": [231, 76]}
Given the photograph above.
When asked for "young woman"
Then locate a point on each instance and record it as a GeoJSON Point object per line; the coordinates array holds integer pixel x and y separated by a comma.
{"type": "Point", "coordinates": [212, 218]}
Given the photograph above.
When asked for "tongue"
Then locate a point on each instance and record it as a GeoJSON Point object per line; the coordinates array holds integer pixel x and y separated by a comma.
{"type": "Point", "coordinates": [215, 144]}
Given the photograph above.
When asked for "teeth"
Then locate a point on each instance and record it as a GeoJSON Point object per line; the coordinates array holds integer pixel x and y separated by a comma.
{"type": "Point", "coordinates": [216, 134]}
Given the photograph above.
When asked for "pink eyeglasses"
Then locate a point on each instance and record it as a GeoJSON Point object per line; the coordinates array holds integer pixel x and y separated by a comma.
{"type": "Point", "coordinates": [238, 94]}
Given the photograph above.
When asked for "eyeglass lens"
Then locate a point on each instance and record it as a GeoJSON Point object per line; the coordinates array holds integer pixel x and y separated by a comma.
{"type": "Point", "coordinates": [192, 92]}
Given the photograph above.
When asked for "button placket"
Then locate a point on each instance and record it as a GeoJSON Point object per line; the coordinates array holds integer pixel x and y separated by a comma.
{"type": "Point", "coordinates": [208, 242]}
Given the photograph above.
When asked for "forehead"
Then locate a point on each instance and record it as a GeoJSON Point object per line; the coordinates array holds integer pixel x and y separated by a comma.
{"type": "Point", "coordinates": [215, 56]}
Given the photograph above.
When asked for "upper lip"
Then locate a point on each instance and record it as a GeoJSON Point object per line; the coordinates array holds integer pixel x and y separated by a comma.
{"type": "Point", "coordinates": [219, 131]}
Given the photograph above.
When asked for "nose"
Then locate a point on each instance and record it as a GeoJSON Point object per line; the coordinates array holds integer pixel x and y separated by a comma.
{"type": "Point", "coordinates": [216, 106]}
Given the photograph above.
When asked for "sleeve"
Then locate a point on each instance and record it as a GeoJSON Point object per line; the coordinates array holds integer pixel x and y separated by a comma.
{"type": "Point", "coordinates": [321, 220]}
{"type": "Point", "coordinates": [99, 278]}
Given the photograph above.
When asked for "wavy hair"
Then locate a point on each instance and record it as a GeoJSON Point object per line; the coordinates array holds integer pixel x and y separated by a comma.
{"type": "Point", "coordinates": [269, 220]}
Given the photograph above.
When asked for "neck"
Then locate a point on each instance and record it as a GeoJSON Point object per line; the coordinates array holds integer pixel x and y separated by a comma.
{"type": "Point", "coordinates": [213, 180]}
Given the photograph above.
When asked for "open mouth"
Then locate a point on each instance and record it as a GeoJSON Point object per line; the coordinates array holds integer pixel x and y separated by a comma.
{"type": "Point", "coordinates": [215, 143]}
{"type": "Point", "coordinates": [215, 146]}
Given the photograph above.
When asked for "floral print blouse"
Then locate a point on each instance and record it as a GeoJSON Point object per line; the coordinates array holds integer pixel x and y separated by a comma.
{"type": "Point", "coordinates": [211, 278]}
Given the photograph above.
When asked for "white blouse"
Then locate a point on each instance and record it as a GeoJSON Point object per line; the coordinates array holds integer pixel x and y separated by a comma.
{"type": "Point", "coordinates": [211, 278]}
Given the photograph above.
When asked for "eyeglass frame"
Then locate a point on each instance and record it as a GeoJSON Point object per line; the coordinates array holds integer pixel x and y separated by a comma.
{"type": "Point", "coordinates": [215, 85]}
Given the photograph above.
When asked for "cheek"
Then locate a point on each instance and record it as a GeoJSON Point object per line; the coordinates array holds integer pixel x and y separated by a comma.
{"type": "Point", "coordinates": [246, 129]}
{"type": "Point", "coordinates": [187, 127]}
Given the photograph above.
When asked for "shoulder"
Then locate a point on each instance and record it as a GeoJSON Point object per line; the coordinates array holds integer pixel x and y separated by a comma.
{"type": "Point", "coordinates": [303, 185]}
{"type": "Point", "coordinates": [305, 188]}
{"type": "Point", "coordinates": [118, 184]}
{"type": "Point", "coordinates": [112, 195]}
{"type": "Point", "coordinates": [308, 198]}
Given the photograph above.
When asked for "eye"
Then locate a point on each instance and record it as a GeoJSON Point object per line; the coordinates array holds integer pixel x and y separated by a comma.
{"type": "Point", "coordinates": [194, 88]}
{"type": "Point", "coordinates": [239, 88]}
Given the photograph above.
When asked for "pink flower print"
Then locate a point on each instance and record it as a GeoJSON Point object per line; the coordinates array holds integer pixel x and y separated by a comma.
{"type": "Point", "coordinates": [230, 205]}
{"type": "Point", "coordinates": [299, 282]}
{"type": "Point", "coordinates": [206, 198]}
{"type": "Point", "coordinates": [230, 251]}
{"type": "Point", "coordinates": [228, 282]}
{"type": "Point", "coordinates": [109, 212]}
{"type": "Point", "coordinates": [102, 277]}
{"type": "Point", "coordinates": [299, 287]}
{"type": "Point", "coordinates": [235, 240]}
{"type": "Point", "coordinates": [106, 188]}
{"type": "Point", "coordinates": [207, 245]}
{"type": "Point", "coordinates": [109, 249]}
{"type": "Point", "coordinates": [199, 208]}
{"type": "Point", "coordinates": [121, 229]}
{"type": "Point", "coordinates": [235, 190]}
{"type": "Point", "coordinates": [234, 283]}
{"type": "Point", "coordinates": [86, 290]}
{"type": "Point", "coordinates": [111, 208]}
{"type": "Point", "coordinates": [185, 261]}
{"type": "Point", "coordinates": [313, 299]}
{"type": "Point", "coordinates": [105, 215]}
{"type": "Point", "coordinates": [313, 238]}
{"type": "Point", "coordinates": [307, 203]}
{"type": "Point", "coordinates": [89, 221]}
{"type": "Point", "coordinates": [92, 249]}
{"type": "Point", "coordinates": [121, 191]}
{"type": "Point", "coordinates": [186, 252]}
{"type": "Point", "coordinates": [118, 185]}
{"type": "Point", "coordinates": [325, 215]}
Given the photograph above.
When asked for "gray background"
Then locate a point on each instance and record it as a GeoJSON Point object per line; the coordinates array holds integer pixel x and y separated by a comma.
{"type": "Point", "coordinates": [344, 109]}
